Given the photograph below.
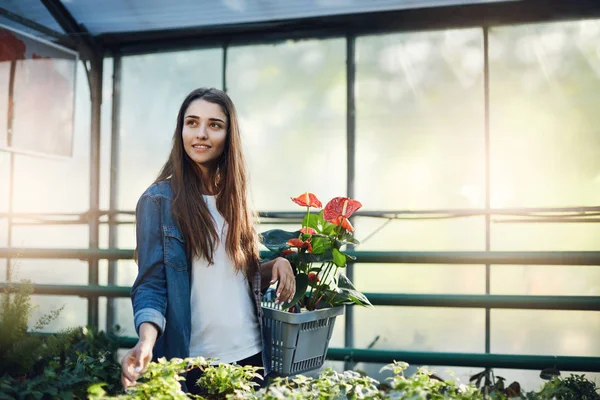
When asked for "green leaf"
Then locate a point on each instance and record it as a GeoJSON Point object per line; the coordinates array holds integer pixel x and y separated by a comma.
{"type": "Point", "coordinates": [276, 239]}
{"type": "Point", "coordinates": [301, 286]}
{"type": "Point", "coordinates": [314, 221]}
{"type": "Point", "coordinates": [353, 240]}
{"type": "Point", "coordinates": [338, 258]}
{"type": "Point", "coordinates": [320, 244]}
{"type": "Point", "coordinates": [348, 291]}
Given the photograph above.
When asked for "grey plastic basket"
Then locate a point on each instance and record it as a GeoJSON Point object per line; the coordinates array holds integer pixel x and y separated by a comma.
{"type": "Point", "coordinates": [296, 343]}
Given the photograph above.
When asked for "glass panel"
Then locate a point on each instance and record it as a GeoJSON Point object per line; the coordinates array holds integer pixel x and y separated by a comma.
{"type": "Point", "coordinates": [545, 95]}
{"type": "Point", "coordinates": [545, 236]}
{"type": "Point", "coordinates": [291, 99]}
{"type": "Point", "coordinates": [58, 185]}
{"type": "Point", "coordinates": [549, 280]}
{"type": "Point", "coordinates": [4, 179]}
{"type": "Point", "coordinates": [51, 271]}
{"type": "Point", "coordinates": [417, 146]}
{"type": "Point", "coordinates": [544, 87]}
{"type": "Point", "coordinates": [560, 333]}
{"type": "Point", "coordinates": [423, 235]}
{"type": "Point", "coordinates": [126, 274]}
{"type": "Point", "coordinates": [74, 314]}
{"type": "Point", "coordinates": [422, 329]}
{"type": "Point", "coordinates": [463, 234]}
{"type": "Point", "coordinates": [152, 89]}
{"type": "Point", "coordinates": [571, 280]}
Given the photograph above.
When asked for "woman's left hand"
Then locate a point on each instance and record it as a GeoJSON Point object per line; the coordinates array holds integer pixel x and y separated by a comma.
{"type": "Point", "coordinates": [282, 272]}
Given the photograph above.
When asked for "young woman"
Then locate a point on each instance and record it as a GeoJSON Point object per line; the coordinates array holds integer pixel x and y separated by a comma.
{"type": "Point", "coordinates": [199, 282]}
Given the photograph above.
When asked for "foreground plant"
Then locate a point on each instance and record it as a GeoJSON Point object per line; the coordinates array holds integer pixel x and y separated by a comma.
{"type": "Point", "coordinates": [42, 366]}
{"type": "Point", "coordinates": [317, 251]}
{"type": "Point", "coordinates": [232, 382]}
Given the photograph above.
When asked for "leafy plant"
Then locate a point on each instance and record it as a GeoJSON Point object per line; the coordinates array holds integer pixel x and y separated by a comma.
{"type": "Point", "coordinates": [574, 387]}
{"type": "Point", "coordinates": [42, 366]}
{"type": "Point", "coordinates": [23, 354]}
{"type": "Point", "coordinates": [317, 252]}
{"type": "Point", "coordinates": [233, 382]}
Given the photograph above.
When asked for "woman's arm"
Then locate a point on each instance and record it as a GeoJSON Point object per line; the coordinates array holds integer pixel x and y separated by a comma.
{"type": "Point", "coordinates": [149, 291]}
{"type": "Point", "coordinates": [280, 270]}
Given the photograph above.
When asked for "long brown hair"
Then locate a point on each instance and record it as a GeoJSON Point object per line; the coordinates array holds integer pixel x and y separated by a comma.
{"type": "Point", "coordinates": [187, 182]}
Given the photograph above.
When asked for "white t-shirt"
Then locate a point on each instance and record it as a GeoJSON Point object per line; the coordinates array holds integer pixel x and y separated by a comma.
{"type": "Point", "coordinates": [224, 322]}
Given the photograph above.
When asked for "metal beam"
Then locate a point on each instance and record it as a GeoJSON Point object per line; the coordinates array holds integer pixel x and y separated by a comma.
{"type": "Point", "coordinates": [387, 257]}
{"type": "Point", "coordinates": [447, 17]}
{"type": "Point", "coordinates": [84, 40]}
{"type": "Point", "coordinates": [61, 38]}
{"type": "Point", "coordinates": [513, 361]}
{"type": "Point", "coordinates": [71, 290]}
{"type": "Point", "coordinates": [115, 150]}
{"type": "Point", "coordinates": [581, 303]}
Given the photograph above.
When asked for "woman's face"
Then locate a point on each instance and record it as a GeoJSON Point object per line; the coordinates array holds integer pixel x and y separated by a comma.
{"type": "Point", "coordinates": [204, 133]}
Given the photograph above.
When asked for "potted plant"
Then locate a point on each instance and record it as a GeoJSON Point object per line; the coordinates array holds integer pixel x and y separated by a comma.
{"type": "Point", "coordinates": [298, 332]}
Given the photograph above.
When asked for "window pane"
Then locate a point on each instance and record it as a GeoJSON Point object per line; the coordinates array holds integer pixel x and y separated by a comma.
{"type": "Point", "coordinates": [4, 179]}
{"type": "Point", "coordinates": [545, 95]}
{"type": "Point", "coordinates": [545, 92]}
{"type": "Point", "coordinates": [418, 145]}
{"type": "Point", "coordinates": [554, 280]}
{"type": "Point", "coordinates": [421, 328]}
{"type": "Point", "coordinates": [291, 98]}
{"type": "Point", "coordinates": [560, 333]}
{"type": "Point", "coordinates": [153, 88]}
{"type": "Point", "coordinates": [53, 271]}
{"type": "Point", "coordinates": [58, 185]}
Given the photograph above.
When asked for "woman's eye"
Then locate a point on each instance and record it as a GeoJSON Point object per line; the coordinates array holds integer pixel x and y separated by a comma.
{"type": "Point", "coordinates": [191, 122]}
{"type": "Point", "coordinates": [214, 125]}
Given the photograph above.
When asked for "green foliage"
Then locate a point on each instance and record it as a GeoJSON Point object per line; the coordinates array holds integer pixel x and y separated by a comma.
{"type": "Point", "coordinates": [38, 366]}
{"type": "Point", "coordinates": [574, 387]}
{"type": "Point", "coordinates": [23, 354]}
{"type": "Point", "coordinates": [227, 379]}
{"type": "Point", "coordinates": [233, 382]}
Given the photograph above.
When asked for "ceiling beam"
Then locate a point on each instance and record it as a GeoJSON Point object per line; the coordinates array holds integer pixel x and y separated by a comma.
{"type": "Point", "coordinates": [86, 44]}
{"type": "Point", "coordinates": [447, 17]}
{"type": "Point", "coordinates": [60, 38]}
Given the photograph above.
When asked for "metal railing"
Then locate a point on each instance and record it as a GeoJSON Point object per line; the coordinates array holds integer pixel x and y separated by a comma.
{"type": "Point", "coordinates": [487, 360]}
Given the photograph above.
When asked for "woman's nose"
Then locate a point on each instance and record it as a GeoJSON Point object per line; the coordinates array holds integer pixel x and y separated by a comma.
{"type": "Point", "coordinates": [203, 132]}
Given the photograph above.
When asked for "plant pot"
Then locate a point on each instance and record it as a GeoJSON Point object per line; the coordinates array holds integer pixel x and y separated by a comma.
{"type": "Point", "coordinates": [297, 343]}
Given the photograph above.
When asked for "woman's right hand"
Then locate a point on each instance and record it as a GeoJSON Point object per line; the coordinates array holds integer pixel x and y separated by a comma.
{"type": "Point", "coordinates": [137, 359]}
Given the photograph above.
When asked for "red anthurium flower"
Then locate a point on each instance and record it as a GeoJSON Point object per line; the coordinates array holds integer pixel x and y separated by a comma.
{"type": "Point", "coordinates": [287, 252]}
{"type": "Point", "coordinates": [299, 243]}
{"type": "Point", "coordinates": [307, 200]}
{"type": "Point", "coordinates": [308, 231]}
{"type": "Point", "coordinates": [344, 222]}
{"type": "Point", "coordinates": [313, 277]}
{"type": "Point", "coordinates": [339, 209]}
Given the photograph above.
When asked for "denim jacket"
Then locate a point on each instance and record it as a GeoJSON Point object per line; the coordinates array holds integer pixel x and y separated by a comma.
{"type": "Point", "coordinates": [161, 291]}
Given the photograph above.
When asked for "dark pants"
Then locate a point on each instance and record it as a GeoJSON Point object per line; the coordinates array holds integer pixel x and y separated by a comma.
{"type": "Point", "coordinates": [195, 374]}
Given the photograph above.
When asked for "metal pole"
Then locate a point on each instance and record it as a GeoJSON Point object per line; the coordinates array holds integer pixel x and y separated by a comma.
{"type": "Point", "coordinates": [224, 75]}
{"type": "Point", "coordinates": [350, 174]}
{"type": "Point", "coordinates": [111, 309]}
{"type": "Point", "coordinates": [11, 172]}
{"type": "Point", "coordinates": [486, 89]}
{"type": "Point", "coordinates": [95, 81]}
{"type": "Point", "coordinates": [486, 86]}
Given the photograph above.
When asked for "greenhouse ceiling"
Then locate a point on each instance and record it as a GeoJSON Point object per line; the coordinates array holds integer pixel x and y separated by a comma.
{"type": "Point", "coordinates": [155, 25]}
